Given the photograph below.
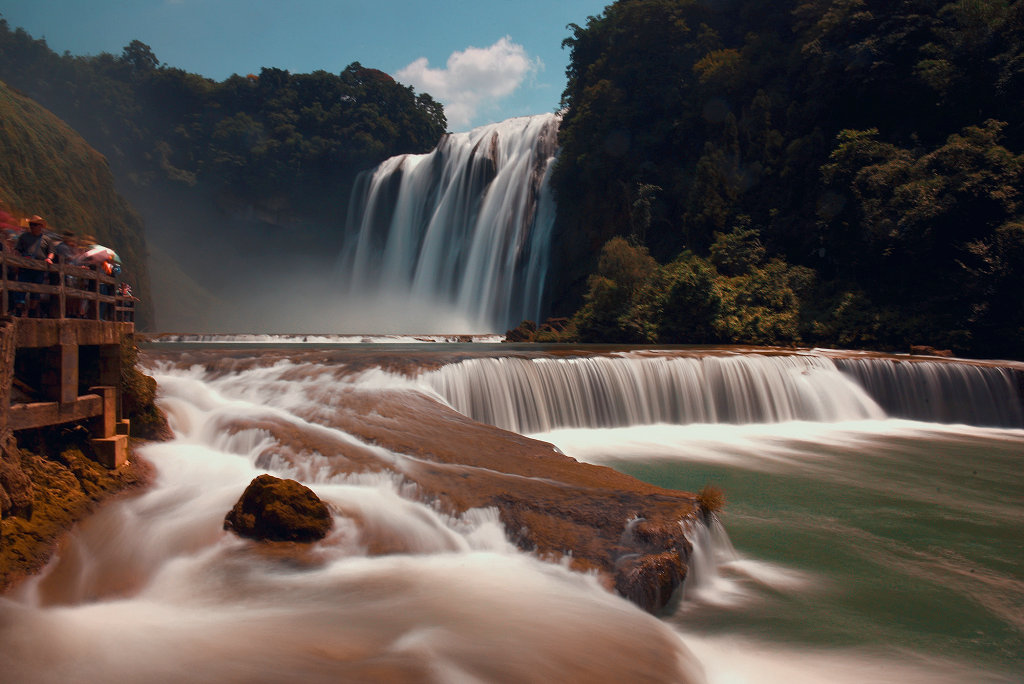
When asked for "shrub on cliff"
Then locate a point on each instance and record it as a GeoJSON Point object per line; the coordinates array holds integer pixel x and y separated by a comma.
{"type": "Point", "coordinates": [681, 302]}
{"type": "Point", "coordinates": [689, 301]}
{"type": "Point", "coordinates": [621, 271]}
{"type": "Point", "coordinates": [138, 394]}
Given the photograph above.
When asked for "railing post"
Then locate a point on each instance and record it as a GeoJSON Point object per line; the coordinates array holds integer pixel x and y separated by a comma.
{"type": "Point", "coordinates": [111, 448]}
{"type": "Point", "coordinates": [3, 284]}
{"type": "Point", "coordinates": [62, 292]}
{"type": "Point", "coordinates": [94, 289]}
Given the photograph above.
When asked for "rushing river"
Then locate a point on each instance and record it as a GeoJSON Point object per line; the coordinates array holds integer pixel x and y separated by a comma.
{"type": "Point", "coordinates": [872, 530]}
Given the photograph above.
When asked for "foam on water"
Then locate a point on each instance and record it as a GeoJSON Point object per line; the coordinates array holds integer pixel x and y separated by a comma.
{"type": "Point", "coordinates": [402, 590]}
{"type": "Point", "coordinates": [153, 589]}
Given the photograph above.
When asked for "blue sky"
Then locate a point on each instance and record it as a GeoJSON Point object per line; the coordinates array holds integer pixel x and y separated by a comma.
{"type": "Point", "coordinates": [487, 60]}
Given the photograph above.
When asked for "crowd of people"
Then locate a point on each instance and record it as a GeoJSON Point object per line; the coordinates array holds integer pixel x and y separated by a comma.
{"type": "Point", "coordinates": [36, 241]}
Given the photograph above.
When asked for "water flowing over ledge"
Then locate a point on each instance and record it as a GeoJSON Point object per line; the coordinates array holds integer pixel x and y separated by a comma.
{"type": "Point", "coordinates": [314, 339]}
{"type": "Point", "coordinates": [424, 575]}
{"type": "Point", "coordinates": [941, 392]}
{"type": "Point", "coordinates": [540, 394]}
{"type": "Point", "coordinates": [461, 234]}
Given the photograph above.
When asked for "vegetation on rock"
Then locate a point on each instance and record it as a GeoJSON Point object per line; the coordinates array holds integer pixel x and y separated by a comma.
{"type": "Point", "coordinates": [48, 169]}
{"type": "Point", "coordinates": [138, 397]}
{"type": "Point", "coordinates": [277, 143]}
{"type": "Point", "coordinates": [878, 145]}
{"type": "Point", "coordinates": [273, 509]}
{"type": "Point", "coordinates": [711, 499]}
{"type": "Point", "coordinates": [66, 484]}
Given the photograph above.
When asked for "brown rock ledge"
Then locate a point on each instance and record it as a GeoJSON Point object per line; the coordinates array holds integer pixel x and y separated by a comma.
{"type": "Point", "coordinates": [66, 484]}
{"type": "Point", "coordinates": [630, 533]}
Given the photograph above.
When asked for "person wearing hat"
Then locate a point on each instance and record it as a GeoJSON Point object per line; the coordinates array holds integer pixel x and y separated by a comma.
{"type": "Point", "coordinates": [32, 244]}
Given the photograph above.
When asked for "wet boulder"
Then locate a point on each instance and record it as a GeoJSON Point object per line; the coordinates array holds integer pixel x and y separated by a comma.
{"type": "Point", "coordinates": [650, 580]}
{"type": "Point", "coordinates": [273, 509]}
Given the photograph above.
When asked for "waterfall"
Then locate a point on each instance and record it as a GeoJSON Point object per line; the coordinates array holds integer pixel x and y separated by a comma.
{"type": "Point", "coordinates": [941, 392]}
{"type": "Point", "coordinates": [540, 394]}
{"type": "Point", "coordinates": [712, 549]}
{"type": "Point", "coordinates": [459, 236]}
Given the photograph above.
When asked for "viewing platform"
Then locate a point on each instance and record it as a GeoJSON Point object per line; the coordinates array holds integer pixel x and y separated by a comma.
{"type": "Point", "coordinates": [60, 361]}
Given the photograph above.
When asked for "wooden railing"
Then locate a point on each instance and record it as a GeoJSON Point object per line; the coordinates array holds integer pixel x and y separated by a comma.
{"type": "Point", "coordinates": [65, 291]}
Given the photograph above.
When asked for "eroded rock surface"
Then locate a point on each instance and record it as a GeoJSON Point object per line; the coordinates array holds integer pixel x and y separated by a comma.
{"type": "Point", "coordinates": [15, 487]}
{"type": "Point", "coordinates": [629, 532]}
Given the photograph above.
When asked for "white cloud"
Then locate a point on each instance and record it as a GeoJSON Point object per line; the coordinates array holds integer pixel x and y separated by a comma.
{"type": "Point", "coordinates": [472, 79]}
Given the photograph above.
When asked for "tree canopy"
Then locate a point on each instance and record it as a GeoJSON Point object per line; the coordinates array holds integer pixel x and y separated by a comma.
{"type": "Point", "coordinates": [877, 144]}
{"type": "Point", "coordinates": [267, 137]}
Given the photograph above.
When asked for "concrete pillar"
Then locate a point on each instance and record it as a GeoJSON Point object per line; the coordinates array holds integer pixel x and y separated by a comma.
{"type": "Point", "coordinates": [105, 425]}
{"type": "Point", "coordinates": [110, 365]}
{"type": "Point", "coordinates": [60, 373]}
{"type": "Point", "coordinates": [111, 452]}
{"type": "Point", "coordinates": [8, 344]}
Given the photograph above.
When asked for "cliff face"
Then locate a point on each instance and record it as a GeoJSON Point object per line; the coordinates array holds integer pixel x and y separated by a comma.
{"type": "Point", "coordinates": [46, 168]}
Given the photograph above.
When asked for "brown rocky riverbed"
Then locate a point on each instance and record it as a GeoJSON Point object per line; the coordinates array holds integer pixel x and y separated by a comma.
{"type": "Point", "coordinates": [52, 483]}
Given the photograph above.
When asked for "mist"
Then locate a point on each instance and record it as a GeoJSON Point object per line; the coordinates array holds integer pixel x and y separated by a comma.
{"type": "Point", "coordinates": [227, 281]}
{"type": "Point", "coordinates": [455, 241]}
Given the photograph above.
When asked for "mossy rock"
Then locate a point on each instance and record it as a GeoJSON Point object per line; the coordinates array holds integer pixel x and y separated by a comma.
{"type": "Point", "coordinates": [273, 509]}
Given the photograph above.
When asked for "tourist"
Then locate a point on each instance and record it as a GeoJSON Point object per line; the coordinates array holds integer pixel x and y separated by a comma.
{"type": "Point", "coordinates": [68, 252]}
{"type": "Point", "coordinates": [9, 228]}
{"type": "Point", "coordinates": [106, 262]}
{"type": "Point", "coordinates": [32, 244]}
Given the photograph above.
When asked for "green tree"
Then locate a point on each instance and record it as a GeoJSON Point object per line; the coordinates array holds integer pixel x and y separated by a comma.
{"type": "Point", "coordinates": [622, 270]}
{"type": "Point", "coordinates": [739, 251]}
{"type": "Point", "coordinates": [680, 304]}
{"type": "Point", "coordinates": [139, 58]}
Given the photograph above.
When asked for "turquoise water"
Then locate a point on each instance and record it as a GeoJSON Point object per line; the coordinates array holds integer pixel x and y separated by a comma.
{"type": "Point", "coordinates": [887, 541]}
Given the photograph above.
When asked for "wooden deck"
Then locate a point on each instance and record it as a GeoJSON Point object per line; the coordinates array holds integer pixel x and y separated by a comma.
{"type": "Point", "coordinates": [63, 365]}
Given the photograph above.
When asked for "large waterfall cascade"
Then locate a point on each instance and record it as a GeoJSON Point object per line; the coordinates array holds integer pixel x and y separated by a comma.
{"type": "Point", "coordinates": [544, 393]}
{"type": "Point", "coordinates": [465, 228]}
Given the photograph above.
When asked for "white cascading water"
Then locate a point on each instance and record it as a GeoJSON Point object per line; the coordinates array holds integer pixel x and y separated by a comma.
{"type": "Point", "coordinates": [716, 572]}
{"type": "Point", "coordinates": [459, 236]}
{"type": "Point", "coordinates": [853, 539]}
{"type": "Point", "coordinates": [540, 394]}
{"type": "Point", "coordinates": [941, 392]}
{"type": "Point", "coordinates": [152, 589]}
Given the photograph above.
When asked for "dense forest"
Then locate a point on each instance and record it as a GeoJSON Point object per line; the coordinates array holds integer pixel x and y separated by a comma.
{"type": "Point", "coordinates": [225, 173]}
{"type": "Point", "coordinates": [827, 172]}
{"type": "Point", "coordinates": [833, 172]}
{"type": "Point", "coordinates": [267, 138]}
